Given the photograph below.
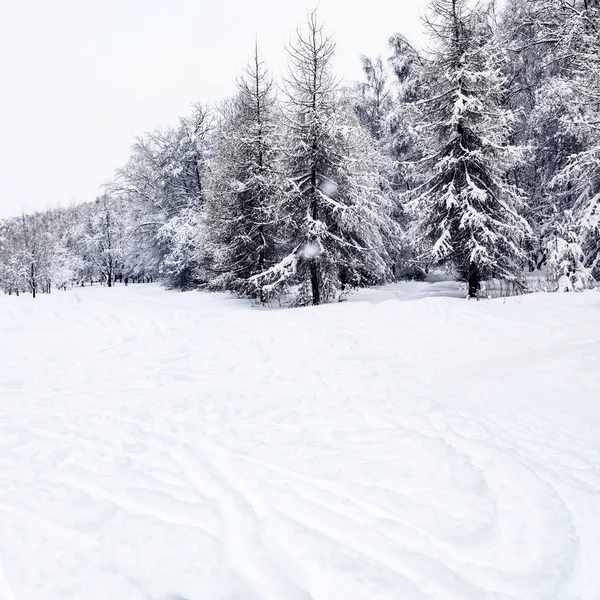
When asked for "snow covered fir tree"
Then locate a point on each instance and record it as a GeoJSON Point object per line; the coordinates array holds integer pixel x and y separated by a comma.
{"type": "Point", "coordinates": [478, 154]}
{"type": "Point", "coordinates": [467, 212]}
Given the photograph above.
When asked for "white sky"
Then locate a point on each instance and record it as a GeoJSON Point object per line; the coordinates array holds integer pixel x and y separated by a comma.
{"type": "Point", "coordinates": [79, 79]}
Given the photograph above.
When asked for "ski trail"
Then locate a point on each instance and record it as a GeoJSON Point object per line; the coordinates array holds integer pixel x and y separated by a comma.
{"type": "Point", "coordinates": [317, 489]}
{"type": "Point", "coordinates": [137, 508]}
{"type": "Point", "coordinates": [242, 544]}
{"type": "Point", "coordinates": [346, 521]}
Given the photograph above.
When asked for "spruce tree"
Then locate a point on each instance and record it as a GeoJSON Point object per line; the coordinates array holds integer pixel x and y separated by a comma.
{"type": "Point", "coordinates": [468, 215]}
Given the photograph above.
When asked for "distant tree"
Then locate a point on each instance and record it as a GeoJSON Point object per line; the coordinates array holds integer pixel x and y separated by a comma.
{"type": "Point", "coordinates": [373, 97]}
{"type": "Point", "coordinates": [163, 182]}
{"type": "Point", "coordinates": [579, 179]}
{"type": "Point", "coordinates": [105, 235]}
{"type": "Point", "coordinates": [381, 114]}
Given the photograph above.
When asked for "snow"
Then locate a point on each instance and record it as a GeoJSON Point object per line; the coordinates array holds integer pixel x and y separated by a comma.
{"type": "Point", "coordinates": [403, 445]}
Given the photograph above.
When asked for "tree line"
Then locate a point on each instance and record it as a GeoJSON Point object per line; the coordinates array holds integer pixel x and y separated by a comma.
{"type": "Point", "coordinates": [480, 154]}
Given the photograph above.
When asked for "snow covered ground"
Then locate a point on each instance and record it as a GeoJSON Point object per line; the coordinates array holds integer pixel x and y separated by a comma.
{"type": "Point", "coordinates": [404, 445]}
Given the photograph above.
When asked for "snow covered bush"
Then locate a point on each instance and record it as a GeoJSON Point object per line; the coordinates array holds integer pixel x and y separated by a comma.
{"type": "Point", "coordinates": [566, 268]}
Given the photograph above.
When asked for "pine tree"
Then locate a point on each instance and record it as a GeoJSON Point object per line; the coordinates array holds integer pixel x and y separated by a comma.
{"type": "Point", "coordinates": [468, 216]}
{"type": "Point", "coordinates": [245, 184]}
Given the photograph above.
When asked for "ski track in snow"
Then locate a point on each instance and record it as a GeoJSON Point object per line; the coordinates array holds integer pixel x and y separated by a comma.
{"type": "Point", "coordinates": [404, 445]}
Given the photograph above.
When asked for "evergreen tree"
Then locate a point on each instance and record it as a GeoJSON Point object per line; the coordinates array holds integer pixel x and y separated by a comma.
{"type": "Point", "coordinates": [401, 139]}
{"type": "Point", "coordinates": [468, 215]}
{"type": "Point", "coordinates": [245, 184]}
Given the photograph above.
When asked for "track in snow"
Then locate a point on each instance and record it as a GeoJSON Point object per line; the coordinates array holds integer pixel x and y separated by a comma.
{"type": "Point", "coordinates": [167, 446]}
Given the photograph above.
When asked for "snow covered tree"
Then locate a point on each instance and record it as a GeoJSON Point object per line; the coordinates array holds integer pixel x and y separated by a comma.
{"type": "Point", "coordinates": [180, 239]}
{"type": "Point", "coordinates": [12, 280]}
{"type": "Point", "coordinates": [566, 268]}
{"type": "Point", "coordinates": [245, 184]}
{"type": "Point", "coordinates": [468, 215]}
{"type": "Point", "coordinates": [580, 177]}
{"type": "Point", "coordinates": [533, 33]}
{"type": "Point", "coordinates": [543, 90]}
{"type": "Point", "coordinates": [381, 110]}
{"type": "Point", "coordinates": [374, 98]}
{"type": "Point", "coordinates": [105, 236]}
{"type": "Point", "coordinates": [33, 256]}
{"type": "Point", "coordinates": [164, 183]}
{"type": "Point", "coordinates": [337, 218]}
{"type": "Point", "coordinates": [582, 174]}
{"type": "Point", "coordinates": [401, 139]}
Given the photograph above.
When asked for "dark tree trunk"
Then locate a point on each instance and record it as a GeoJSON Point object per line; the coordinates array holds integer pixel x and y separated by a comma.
{"type": "Point", "coordinates": [474, 282]}
{"type": "Point", "coordinates": [314, 266]}
{"type": "Point", "coordinates": [314, 282]}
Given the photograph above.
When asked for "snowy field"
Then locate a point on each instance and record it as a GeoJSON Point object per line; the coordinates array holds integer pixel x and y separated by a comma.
{"type": "Point", "coordinates": [405, 445]}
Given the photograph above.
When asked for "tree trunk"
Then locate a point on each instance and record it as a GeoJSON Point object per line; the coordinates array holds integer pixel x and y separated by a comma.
{"type": "Point", "coordinates": [474, 282]}
{"type": "Point", "coordinates": [314, 282]}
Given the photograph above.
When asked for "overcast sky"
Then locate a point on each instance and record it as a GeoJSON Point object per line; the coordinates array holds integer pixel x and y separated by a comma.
{"type": "Point", "coordinates": [79, 79]}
